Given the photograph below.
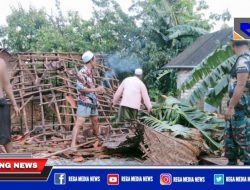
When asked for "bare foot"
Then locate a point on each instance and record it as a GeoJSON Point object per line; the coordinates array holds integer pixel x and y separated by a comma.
{"type": "Point", "coordinates": [73, 148]}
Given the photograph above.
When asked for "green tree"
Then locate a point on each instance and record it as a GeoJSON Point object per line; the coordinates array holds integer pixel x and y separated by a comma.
{"type": "Point", "coordinates": [49, 40]}
{"type": "Point", "coordinates": [113, 30]}
{"type": "Point", "coordinates": [23, 27]}
{"type": "Point", "coordinates": [151, 35]}
{"type": "Point", "coordinates": [77, 33]}
{"type": "Point", "coordinates": [166, 29]}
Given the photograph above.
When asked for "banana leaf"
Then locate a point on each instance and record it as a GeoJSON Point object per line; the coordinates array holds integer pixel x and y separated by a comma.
{"type": "Point", "coordinates": [176, 112]}
{"type": "Point", "coordinates": [163, 126]}
{"type": "Point", "coordinates": [212, 61]}
{"type": "Point", "coordinates": [184, 30]}
{"type": "Point", "coordinates": [212, 86]}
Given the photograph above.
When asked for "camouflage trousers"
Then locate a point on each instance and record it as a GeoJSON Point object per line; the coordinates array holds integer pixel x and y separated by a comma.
{"type": "Point", "coordinates": [237, 137]}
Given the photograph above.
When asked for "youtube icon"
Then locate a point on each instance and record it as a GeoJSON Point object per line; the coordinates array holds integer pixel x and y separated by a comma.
{"type": "Point", "coordinates": [113, 179]}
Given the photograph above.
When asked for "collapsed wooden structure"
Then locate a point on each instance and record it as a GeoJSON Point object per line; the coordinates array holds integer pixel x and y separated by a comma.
{"type": "Point", "coordinates": [44, 87]}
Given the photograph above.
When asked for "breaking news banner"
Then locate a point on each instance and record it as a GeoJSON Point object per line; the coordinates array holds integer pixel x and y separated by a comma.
{"type": "Point", "coordinates": [30, 173]}
{"type": "Point", "coordinates": [23, 167]}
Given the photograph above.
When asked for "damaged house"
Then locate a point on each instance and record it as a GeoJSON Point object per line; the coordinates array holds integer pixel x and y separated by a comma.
{"type": "Point", "coordinates": [194, 54]}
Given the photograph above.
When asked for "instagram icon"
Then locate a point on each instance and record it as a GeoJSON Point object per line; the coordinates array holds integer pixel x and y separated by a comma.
{"type": "Point", "coordinates": [166, 179]}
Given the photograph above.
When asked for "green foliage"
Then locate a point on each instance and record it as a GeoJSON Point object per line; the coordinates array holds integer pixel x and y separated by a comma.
{"type": "Point", "coordinates": [161, 82]}
{"type": "Point", "coordinates": [210, 77]}
{"type": "Point", "coordinates": [166, 29]}
{"type": "Point", "coordinates": [23, 27]}
{"type": "Point", "coordinates": [113, 29]}
{"type": "Point", "coordinates": [170, 113]}
{"type": "Point", "coordinates": [153, 33]}
{"type": "Point", "coordinates": [176, 130]}
{"type": "Point", "coordinates": [184, 31]}
{"type": "Point", "coordinates": [50, 40]}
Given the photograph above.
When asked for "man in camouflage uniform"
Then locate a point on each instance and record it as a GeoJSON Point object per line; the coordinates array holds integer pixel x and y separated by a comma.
{"type": "Point", "coordinates": [237, 130]}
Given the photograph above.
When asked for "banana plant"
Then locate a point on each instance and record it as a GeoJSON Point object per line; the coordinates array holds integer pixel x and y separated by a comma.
{"type": "Point", "coordinates": [180, 31]}
{"type": "Point", "coordinates": [184, 31]}
{"type": "Point", "coordinates": [210, 78]}
{"type": "Point", "coordinates": [170, 113]}
{"type": "Point", "coordinates": [176, 130]}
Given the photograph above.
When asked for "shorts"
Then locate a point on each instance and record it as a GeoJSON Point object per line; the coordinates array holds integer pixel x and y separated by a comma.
{"type": "Point", "coordinates": [85, 111]}
{"type": "Point", "coordinates": [5, 124]}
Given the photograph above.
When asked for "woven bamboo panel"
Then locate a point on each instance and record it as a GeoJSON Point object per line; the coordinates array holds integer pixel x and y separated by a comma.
{"type": "Point", "coordinates": [163, 149]}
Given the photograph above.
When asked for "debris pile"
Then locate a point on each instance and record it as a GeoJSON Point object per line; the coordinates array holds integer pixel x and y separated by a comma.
{"type": "Point", "coordinates": [44, 87]}
{"type": "Point", "coordinates": [57, 144]}
{"type": "Point", "coordinates": [164, 149]}
{"type": "Point", "coordinates": [179, 119]}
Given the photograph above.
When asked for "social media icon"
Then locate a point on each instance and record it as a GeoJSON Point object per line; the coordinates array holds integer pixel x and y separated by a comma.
{"type": "Point", "coordinates": [218, 179]}
{"type": "Point", "coordinates": [166, 179]}
{"type": "Point", "coordinates": [60, 179]}
{"type": "Point", "coordinates": [113, 179]}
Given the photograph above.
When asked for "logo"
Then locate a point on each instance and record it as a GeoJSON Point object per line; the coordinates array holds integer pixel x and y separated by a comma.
{"type": "Point", "coordinates": [241, 29]}
{"type": "Point", "coordinates": [113, 179]}
{"type": "Point", "coordinates": [166, 179]}
{"type": "Point", "coordinates": [218, 179]}
{"type": "Point", "coordinates": [59, 178]}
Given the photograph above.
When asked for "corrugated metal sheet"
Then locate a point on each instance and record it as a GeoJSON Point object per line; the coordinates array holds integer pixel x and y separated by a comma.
{"type": "Point", "coordinates": [200, 49]}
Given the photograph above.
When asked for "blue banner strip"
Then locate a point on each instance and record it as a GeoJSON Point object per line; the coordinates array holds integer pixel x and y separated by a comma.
{"type": "Point", "coordinates": [145, 178]}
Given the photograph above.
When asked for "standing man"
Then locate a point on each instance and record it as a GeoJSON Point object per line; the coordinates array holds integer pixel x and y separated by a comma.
{"type": "Point", "coordinates": [87, 101]}
{"type": "Point", "coordinates": [237, 130]}
{"type": "Point", "coordinates": [5, 123]}
{"type": "Point", "coordinates": [133, 91]}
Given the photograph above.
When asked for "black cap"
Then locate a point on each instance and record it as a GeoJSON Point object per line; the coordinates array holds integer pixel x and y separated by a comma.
{"type": "Point", "coordinates": [238, 42]}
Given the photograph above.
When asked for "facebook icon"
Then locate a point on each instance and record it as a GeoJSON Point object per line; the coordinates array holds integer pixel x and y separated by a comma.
{"type": "Point", "coordinates": [59, 178]}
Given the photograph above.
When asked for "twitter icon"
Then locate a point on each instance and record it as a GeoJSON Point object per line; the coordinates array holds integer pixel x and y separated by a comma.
{"type": "Point", "coordinates": [218, 179]}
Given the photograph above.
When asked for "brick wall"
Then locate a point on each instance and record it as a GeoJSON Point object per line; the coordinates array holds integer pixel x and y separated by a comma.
{"type": "Point", "coordinates": [182, 75]}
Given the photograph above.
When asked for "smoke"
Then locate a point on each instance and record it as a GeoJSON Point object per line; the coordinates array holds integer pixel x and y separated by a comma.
{"type": "Point", "coordinates": [108, 76]}
{"type": "Point", "coordinates": [121, 64]}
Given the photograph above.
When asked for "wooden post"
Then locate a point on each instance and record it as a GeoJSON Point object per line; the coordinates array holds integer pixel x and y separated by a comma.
{"type": "Point", "coordinates": [21, 92]}
{"type": "Point", "coordinates": [41, 101]}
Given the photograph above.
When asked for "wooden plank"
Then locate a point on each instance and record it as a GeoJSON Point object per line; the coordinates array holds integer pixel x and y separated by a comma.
{"type": "Point", "coordinates": [70, 148]}
{"type": "Point", "coordinates": [24, 115]}
{"type": "Point", "coordinates": [42, 109]}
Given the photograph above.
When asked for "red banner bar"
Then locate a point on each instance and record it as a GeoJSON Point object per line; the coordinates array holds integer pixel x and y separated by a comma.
{"type": "Point", "coordinates": [22, 165]}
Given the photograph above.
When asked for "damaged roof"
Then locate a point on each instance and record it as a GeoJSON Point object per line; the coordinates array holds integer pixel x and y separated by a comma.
{"type": "Point", "coordinates": [200, 49]}
{"type": "Point", "coordinates": [5, 51]}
